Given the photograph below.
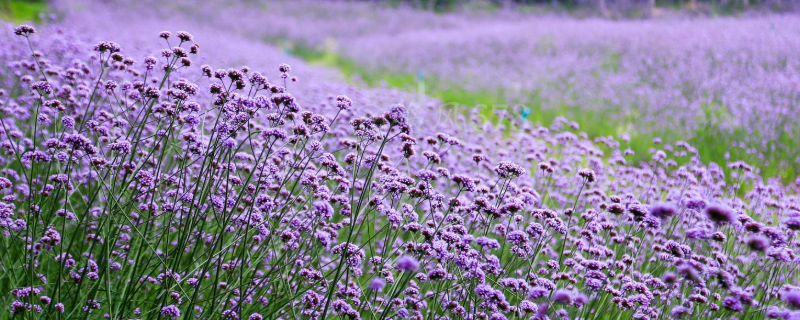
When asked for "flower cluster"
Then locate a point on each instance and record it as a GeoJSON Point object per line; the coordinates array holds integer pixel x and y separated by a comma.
{"type": "Point", "coordinates": [136, 187]}
{"type": "Point", "coordinates": [718, 82]}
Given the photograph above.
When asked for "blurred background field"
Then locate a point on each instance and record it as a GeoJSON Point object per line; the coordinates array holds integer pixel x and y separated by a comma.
{"type": "Point", "coordinates": [663, 125]}
{"type": "Point", "coordinates": [721, 75]}
{"type": "Point", "coordinates": [726, 84]}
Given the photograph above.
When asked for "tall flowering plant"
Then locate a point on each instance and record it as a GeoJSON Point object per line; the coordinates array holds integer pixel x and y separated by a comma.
{"type": "Point", "coordinates": [163, 190]}
{"type": "Point", "coordinates": [129, 184]}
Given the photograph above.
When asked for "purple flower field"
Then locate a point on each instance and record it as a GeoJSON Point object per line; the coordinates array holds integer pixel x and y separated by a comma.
{"type": "Point", "coordinates": [174, 160]}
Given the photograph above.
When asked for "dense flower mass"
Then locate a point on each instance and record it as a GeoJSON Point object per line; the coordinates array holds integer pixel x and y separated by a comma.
{"type": "Point", "coordinates": [138, 184]}
{"type": "Point", "coordinates": [727, 84]}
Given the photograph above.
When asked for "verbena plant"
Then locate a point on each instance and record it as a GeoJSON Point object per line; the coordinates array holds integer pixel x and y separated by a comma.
{"type": "Point", "coordinates": [161, 190]}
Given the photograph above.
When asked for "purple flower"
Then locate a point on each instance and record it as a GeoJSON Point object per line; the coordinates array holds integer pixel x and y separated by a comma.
{"type": "Point", "coordinates": [255, 316]}
{"type": "Point", "coordinates": [696, 204]}
{"type": "Point", "coordinates": [376, 284]}
{"type": "Point", "coordinates": [733, 304]}
{"type": "Point", "coordinates": [663, 210]}
{"type": "Point", "coordinates": [323, 210]}
{"type": "Point", "coordinates": [122, 147]}
{"type": "Point", "coordinates": [616, 208]}
{"type": "Point", "coordinates": [792, 298]}
{"type": "Point", "coordinates": [171, 311]}
{"type": "Point", "coordinates": [184, 36]}
{"type": "Point", "coordinates": [562, 296]}
{"type": "Point", "coordinates": [107, 46]}
{"type": "Point", "coordinates": [508, 170]}
{"type": "Point", "coordinates": [488, 243]}
{"type": "Point", "coordinates": [793, 223]}
{"type": "Point", "coordinates": [587, 175]}
{"type": "Point", "coordinates": [343, 102]}
{"type": "Point", "coordinates": [528, 307]}
{"type": "Point", "coordinates": [407, 264]}
{"type": "Point", "coordinates": [680, 311]}
{"type": "Point", "coordinates": [720, 213]}
{"type": "Point", "coordinates": [758, 243]}
{"type": "Point", "coordinates": [638, 211]}
{"type": "Point", "coordinates": [24, 30]}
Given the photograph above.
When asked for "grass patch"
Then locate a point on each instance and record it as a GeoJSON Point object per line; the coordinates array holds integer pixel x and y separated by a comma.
{"type": "Point", "coordinates": [777, 159]}
{"type": "Point", "coordinates": [19, 11]}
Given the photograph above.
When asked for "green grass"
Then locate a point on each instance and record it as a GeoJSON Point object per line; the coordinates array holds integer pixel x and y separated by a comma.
{"type": "Point", "coordinates": [19, 11]}
{"type": "Point", "coordinates": [712, 142]}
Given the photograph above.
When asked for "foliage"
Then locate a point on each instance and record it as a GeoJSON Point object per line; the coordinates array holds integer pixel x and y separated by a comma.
{"type": "Point", "coordinates": [139, 182]}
